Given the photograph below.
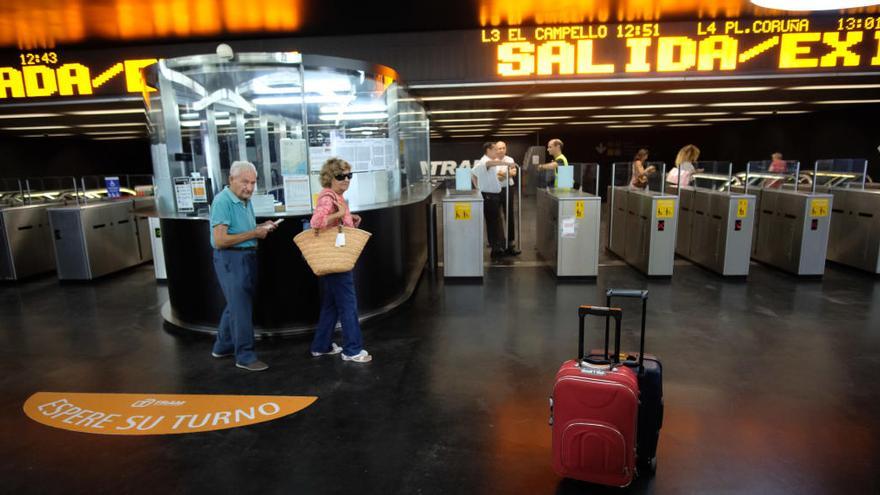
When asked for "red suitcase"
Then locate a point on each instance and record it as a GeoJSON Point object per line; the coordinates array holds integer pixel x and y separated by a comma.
{"type": "Point", "coordinates": [593, 411]}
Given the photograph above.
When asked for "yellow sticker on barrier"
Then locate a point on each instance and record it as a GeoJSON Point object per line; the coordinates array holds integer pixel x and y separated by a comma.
{"type": "Point", "coordinates": [579, 209]}
{"type": "Point", "coordinates": [818, 207]}
{"type": "Point", "coordinates": [157, 414]}
{"type": "Point", "coordinates": [665, 208]}
{"type": "Point", "coordinates": [463, 211]}
{"type": "Point", "coordinates": [742, 208]}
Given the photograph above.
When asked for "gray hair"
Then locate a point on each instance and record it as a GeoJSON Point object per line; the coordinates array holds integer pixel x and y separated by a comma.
{"type": "Point", "coordinates": [240, 166]}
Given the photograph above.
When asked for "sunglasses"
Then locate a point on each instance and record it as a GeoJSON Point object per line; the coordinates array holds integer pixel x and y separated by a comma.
{"type": "Point", "coordinates": [343, 176]}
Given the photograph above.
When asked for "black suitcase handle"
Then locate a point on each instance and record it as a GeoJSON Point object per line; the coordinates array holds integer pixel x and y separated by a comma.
{"type": "Point", "coordinates": [607, 312]}
{"type": "Point", "coordinates": [633, 293]}
{"type": "Point", "coordinates": [629, 293]}
{"type": "Point", "coordinates": [598, 311]}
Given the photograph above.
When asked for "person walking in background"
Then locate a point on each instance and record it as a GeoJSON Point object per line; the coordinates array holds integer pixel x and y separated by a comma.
{"type": "Point", "coordinates": [683, 171]}
{"type": "Point", "coordinates": [638, 172]}
{"type": "Point", "coordinates": [509, 191]}
{"type": "Point", "coordinates": [234, 238]}
{"type": "Point", "coordinates": [777, 166]}
{"type": "Point", "coordinates": [548, 170]}
{"type": "Point", "coordinates": [338, 297]}
{"type": "Point", "coordinates": [486, 178]}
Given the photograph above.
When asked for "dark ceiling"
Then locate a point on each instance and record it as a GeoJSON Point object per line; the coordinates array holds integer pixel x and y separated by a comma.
{"type": "Point", "coordinates": [35, 24]}
{"type": "Point", "coordinates": [528, 109]}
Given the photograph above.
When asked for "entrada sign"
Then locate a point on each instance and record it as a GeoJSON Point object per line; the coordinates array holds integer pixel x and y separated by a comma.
{"type": "Point", "coordinates": [705, 47]}
{"type": "Point", "coordinates": [43, 75]}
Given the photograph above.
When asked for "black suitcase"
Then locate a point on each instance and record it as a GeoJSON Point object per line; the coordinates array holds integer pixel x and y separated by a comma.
{"type": "Point", "coordinates": [649, 371]}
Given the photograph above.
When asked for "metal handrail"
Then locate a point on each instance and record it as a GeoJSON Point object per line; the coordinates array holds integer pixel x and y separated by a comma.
{"type": "Point", "coordinates": [518, 225]}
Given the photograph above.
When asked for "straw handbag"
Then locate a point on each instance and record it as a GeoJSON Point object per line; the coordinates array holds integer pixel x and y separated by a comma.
{"type": "Point", "coordinates": [319, 248]}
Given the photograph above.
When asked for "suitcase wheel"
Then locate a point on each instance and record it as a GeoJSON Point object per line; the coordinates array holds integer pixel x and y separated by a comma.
{"type": "Point", "coordinates": [649, 467]}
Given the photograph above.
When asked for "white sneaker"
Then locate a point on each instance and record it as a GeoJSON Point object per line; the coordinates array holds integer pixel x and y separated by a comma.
{"type": "Point", "coordinates": [361, 357]}
{"type": "Point", "coordinates": [334, 349]}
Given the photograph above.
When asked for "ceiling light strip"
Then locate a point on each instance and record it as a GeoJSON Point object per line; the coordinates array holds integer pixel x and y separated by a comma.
{"type": "Point", "coordinates": [718, 90]}
{"type": "Point", "coordinates": [557, 109]}
{"type": "Point", "coordinates": [844, 102]}
{"type": "Point", "coordinates": [578, 94]}
{"type": "Point", "coordinates": [29, 115]}
{"type": "Point", "coordinates": [544, 117]}
{"type": "Point", "coordinates": [467, 110]}
{"type": "Point", "coordinates": [753, 103]}
{"type": "Point", "coordinates": [658, 105]}
{"type": "Point", "coordinates": [119, 111]}
{"type": "Point", "coordinates": [820, 87]}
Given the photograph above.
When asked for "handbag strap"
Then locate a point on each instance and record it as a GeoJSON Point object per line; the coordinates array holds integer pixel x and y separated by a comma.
{"type": "Point", "coordinates": [328, 192]}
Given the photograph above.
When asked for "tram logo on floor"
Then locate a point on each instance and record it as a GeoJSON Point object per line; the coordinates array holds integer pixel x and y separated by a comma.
{"type": "Point", "coordinates": [157, 414]}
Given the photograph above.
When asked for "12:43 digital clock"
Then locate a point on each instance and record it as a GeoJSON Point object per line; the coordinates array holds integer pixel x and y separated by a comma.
{"type": "Point", "coordinates": [38, 58]}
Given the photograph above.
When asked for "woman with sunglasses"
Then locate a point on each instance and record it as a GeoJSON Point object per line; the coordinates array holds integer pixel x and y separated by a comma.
{"type": "Point", "coordinates": [338, 298]}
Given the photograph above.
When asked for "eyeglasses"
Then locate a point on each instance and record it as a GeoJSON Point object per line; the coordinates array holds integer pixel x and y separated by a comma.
{"type": "Point", "coordinates": [343, 176]}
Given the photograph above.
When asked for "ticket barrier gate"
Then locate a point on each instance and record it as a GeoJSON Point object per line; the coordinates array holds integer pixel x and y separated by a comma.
{"type": "Point", "coordinates": [463, 238]}
{"type": "Point", "coordinates": [155, 233]}
{"type": "Point", "coordinates": [25, 241]}
{"type": "Point", "coordinates": [855, 228]}
{"type": "Point", "coordinates": [567, 231]}
{"type": "Point", "coordinates": [792, 230]}
{"type": "Point", "coordinates": [642, 229]}
{"type": "Point", "coordinates": [715, 229]}
{"type": "Point", "coordinates": [96, 239]}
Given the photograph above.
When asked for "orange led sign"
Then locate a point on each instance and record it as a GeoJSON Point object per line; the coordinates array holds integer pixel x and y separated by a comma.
{"type": "Point", "coordinates": [705, 47]}
{"type": "Point", "coordinates": [46, 75]}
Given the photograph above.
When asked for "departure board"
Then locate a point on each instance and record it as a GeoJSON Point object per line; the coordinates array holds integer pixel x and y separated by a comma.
{"type": "Point", "coordinates": [712, 48]}
{"type": "Point", "coordinates": [50, 74]}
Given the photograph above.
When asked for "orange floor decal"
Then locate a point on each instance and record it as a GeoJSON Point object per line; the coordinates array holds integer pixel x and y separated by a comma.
{"type": "Point", "coordinates": [157, 414]}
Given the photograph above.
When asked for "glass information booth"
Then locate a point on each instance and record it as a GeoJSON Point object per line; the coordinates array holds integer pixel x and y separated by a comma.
{"type": "Point", "coordinates": [286, 113]}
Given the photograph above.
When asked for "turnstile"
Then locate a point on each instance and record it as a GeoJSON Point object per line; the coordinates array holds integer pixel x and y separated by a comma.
{"type": "Point", "coordinates": [715, 229]}
{"type": "Point", "coordinates": [642, 229]}
{"type": "Point", "coordinates": [567, 231]}
{"type": "Point", "coordinates": [25, 242]}
{"type": "Point", "coordinates": [855, 228]}
{"type": "Point", "coordinates": [463, 234]}
{"type": "Point", "coordinates": [144, 209]}
{"type": "Point", "coordinates": [792, 230]}
{"type": "Point", "coordinates": [156, 245]}
{"type": "Point", "coordinates": [96, 239]}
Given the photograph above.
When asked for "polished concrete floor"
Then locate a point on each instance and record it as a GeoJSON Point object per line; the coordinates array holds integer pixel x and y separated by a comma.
{"type": "Point", "coordinates": [771, 386]}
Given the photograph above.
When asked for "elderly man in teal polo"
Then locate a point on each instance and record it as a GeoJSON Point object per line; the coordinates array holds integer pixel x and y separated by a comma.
{"type": "Point", "coordinates": [234, 238]}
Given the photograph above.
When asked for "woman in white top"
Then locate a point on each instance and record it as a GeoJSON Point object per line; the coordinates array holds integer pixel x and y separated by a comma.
{"type": "Point", "coordinates": [683, 171]}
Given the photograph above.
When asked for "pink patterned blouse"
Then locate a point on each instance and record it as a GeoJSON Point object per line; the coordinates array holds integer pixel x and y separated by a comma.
{"type": "Point", "coordinates": [327, 206]}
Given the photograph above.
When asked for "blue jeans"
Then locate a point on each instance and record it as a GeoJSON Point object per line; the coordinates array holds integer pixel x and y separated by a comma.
{"type": "Point", "coordinates": [237, 274]}
{"type": "Point", "coordinates": [338, 303]}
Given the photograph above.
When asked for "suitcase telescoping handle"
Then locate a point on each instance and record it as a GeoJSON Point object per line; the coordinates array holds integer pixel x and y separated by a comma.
{"type": "Point", "coordinates": [630, 293]}
{"type": "Point", "coordinates": [608, 313]}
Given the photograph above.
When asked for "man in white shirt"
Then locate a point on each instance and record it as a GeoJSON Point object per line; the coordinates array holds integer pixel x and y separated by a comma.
{"type": "Point", "coordinates": [486, 178]}
{"type": "Point", "coordinates": [510, 171]}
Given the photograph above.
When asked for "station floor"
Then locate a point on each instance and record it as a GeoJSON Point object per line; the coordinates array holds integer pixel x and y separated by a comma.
{"type": "Point", "coordinates": [771, 386]}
